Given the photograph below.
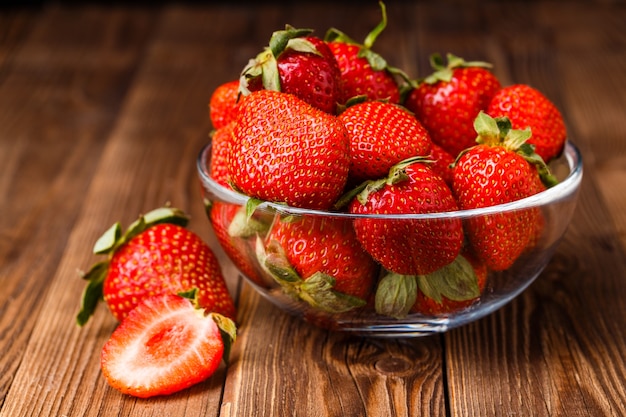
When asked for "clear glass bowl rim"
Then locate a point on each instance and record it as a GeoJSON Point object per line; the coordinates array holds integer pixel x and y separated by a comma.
{"type": "Point", "coordinates": [565, 189]}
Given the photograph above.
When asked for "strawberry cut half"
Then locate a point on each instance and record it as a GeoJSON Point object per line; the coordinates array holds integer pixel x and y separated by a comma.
{"type": "Point", "coordinates": [165, 345]}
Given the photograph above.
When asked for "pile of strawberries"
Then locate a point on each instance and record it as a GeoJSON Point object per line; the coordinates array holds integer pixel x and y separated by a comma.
{"type": "Point", "coordinates": [328, 125]}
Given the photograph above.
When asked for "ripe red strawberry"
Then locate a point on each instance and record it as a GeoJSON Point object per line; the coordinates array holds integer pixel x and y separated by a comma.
{"type": "Point", "coordinates": [526, 107]}
{"type": "Point", "coordinates": [498, 171]}
{"type": "Point", "coordinates": [381, 135]}
{"type": "Point", "coordinates": [220, 151]}
{"type": "Point", "coordinates": [363, 71]}
{"type": "Point", "coordinates": [448, 101]}
{"type": "Point", "coordinates": [296, 63]}
{"type": "Point", "coordinates": [156, 255]}
{"type": "Point", "coordinates": [285, 150]}
{"type": "Point", "coordinates": [236, 234]}
{"type": "Point", "coordinates": [319, 260]}
{"type": "Point", "coordinates": [165, 345]}
{"type": "Point", "coordinates": [408, 246]}
{"type": "Point", "coordinates": [223, 104]}
{"type": "Point", "coordinates": [442, 163]}
{"type": "Point", "coordinates": [452, 288]}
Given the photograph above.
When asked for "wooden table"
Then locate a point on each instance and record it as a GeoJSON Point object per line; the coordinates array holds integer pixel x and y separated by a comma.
{"type": "Point", "coordinates": [103, 110]}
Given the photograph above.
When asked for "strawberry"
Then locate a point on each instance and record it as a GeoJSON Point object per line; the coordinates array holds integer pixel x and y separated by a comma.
{"type": "Point", "coordinates": [381, 135]}
{"type": "Point", "coordinates": [408, 246]}
{"type": "Point", "coordinates": [363, 71]}
{"type": "Point", "coordinates": [452, 288]}
{"type": "Point", "coordinates": [233, 230]}
{"type": "Point", "coordinates": [285, 150]}
{"type": "Point", "coordinates": [164, 345]}
{"type": "Point", "coordinates": [442, 163]}
{"type": "Point", "coordinates": [297, 63]}
{"type": "Point", "coordinates": [502, 168]}
{"type": "Point", "coordinates": [319, 260]}
{"type": "Point", "coordinates": [156, 255]}
{"type": "Point", "coordinates": [448, 101]}
{"type": "Point", "coordinates": [220, 151]}
{"type": "Point", "coordinates": [526, 107]}
{"type": "Point", "coordinates": [223, 104]}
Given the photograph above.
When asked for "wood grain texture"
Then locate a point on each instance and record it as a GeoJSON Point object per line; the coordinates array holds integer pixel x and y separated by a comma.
{"type": "Point", "coordinates": [103, 110]}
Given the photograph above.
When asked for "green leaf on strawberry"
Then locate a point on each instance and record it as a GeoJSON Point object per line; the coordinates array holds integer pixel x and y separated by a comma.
{"type": "Point", "coordinates": [456, 281]}
{"type": "Point", "coordinates": [317, 289]}
{"type": "Point", "coordinates": [395, 295]}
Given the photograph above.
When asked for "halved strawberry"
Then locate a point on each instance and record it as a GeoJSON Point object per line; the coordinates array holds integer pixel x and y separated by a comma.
{"type": "Point", "coordinates": [165, 345]}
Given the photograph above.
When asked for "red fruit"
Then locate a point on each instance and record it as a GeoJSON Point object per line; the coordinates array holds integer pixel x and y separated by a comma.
{"type": "Point", "coordinates": [408, 246]}
{"type": "Point", "coordinates": [319, 260]}
{"type": "Point", "coordinates": [156, 255]}
{"type": "Point", "coordinates": [453, 288]}
{"type": "Point", "coordinates": [526, 107]}
{"type": "Point", "coordinates": [448, 101]}
{"type": "Point", "coordinates": [220, 150]}
{"type": "Point", "coordinates": [363, 71]}
{"type": "Point", "coordinates": [494, 172]}
{"type": "Point", "coordinates": [235, 233]}
{"type": "Point", "coordinates": [360, 77]}
{"type": "Point", "coordinates": [381, 135]}
{"type": "Point", "coordinates": [298, 64]}
{"type": "Point", "coordinates": [223, 104]}
{"type": "Point", "coordinates": [442, 163]}
{"type": "Point", "coordinates": [165, 345]}
{"type": "Point", "coordinates": [288, 151]}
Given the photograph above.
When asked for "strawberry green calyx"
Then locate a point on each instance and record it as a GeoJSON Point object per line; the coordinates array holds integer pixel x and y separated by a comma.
{"type": "Point", "coordinates": [245, 226]}
{"type": "Point", "coordinates": [456, 281]}
{"type": "Point", "coordinates": [395, 295]}
{"type": "Point", "coordinates": [317, 290]}
{"type": "Point", "coordinates": [108, 243]}
{"type": "Point", "coordinates": [265, 64]}
{"type": "Point", "coordinates": [397, 174]}
{"type": "Point", "coordinates": [228, 331]}
{"type": "Point", "coordinates": [444, 72]}
{"type": "Point", "coordinates": [498, 132]}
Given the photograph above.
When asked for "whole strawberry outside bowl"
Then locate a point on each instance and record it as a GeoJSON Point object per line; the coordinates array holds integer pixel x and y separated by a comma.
{"type": "Point", "coordinates": [334, 268]}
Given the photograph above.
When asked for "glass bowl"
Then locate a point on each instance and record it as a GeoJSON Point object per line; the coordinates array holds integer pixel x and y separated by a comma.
{"type": "Point", "coordinates": [242, 239]}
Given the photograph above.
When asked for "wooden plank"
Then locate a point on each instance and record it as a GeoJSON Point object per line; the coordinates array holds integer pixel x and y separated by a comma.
{"type": "Point", "coordinates": [54, 118]}
{"type": "Point", "coordinates": [281, 365]}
